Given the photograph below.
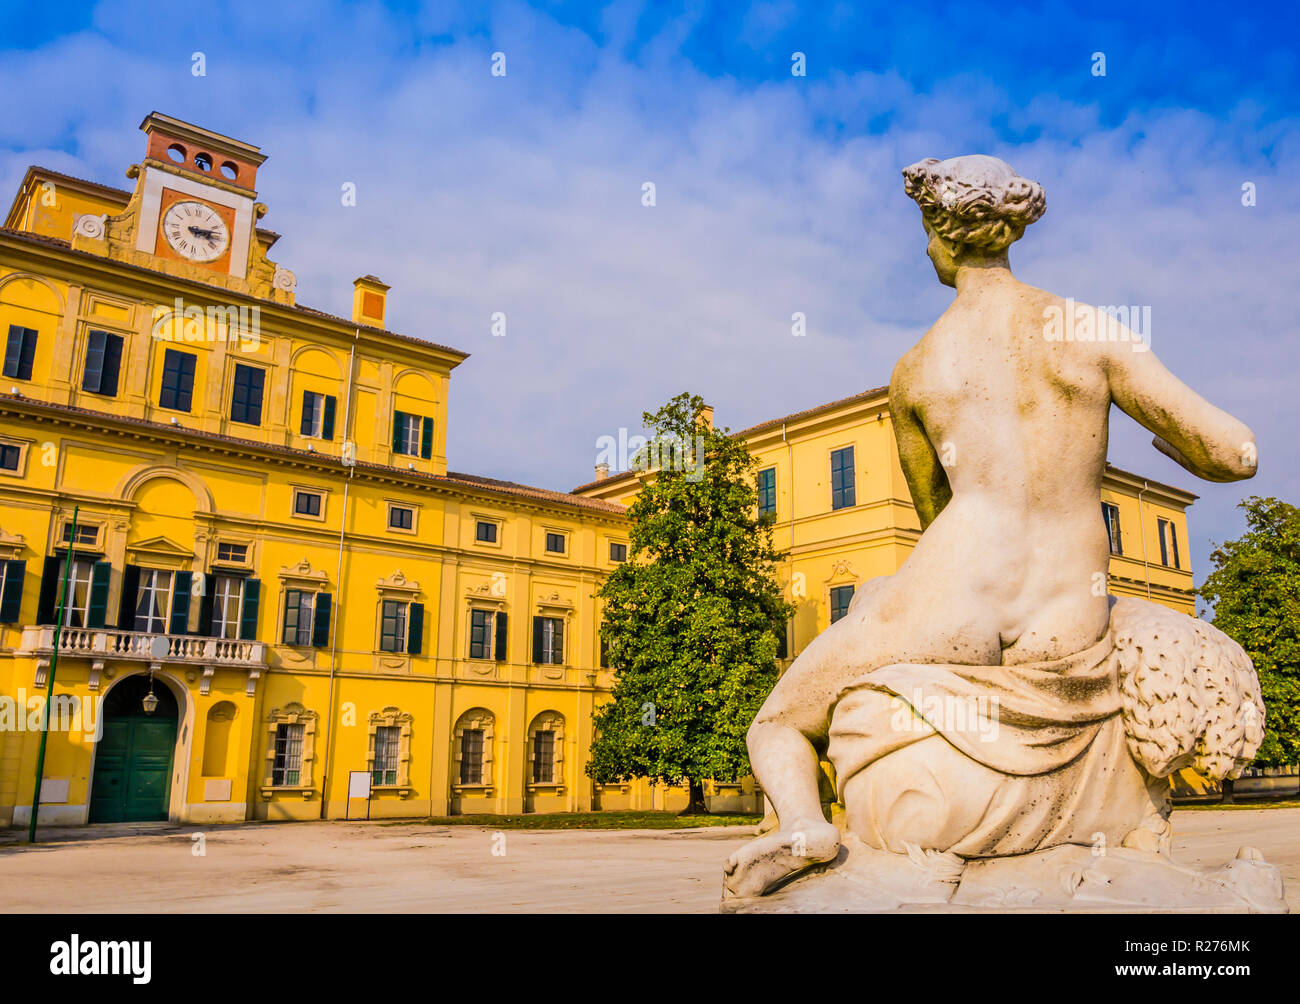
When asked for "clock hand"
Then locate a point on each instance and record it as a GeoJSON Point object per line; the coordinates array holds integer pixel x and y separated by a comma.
{"type": "Point", "coordinates": [200, 232]}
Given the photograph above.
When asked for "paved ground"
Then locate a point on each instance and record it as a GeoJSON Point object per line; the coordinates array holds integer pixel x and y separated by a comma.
{"type": "Point", "coordinates": [375, 867]}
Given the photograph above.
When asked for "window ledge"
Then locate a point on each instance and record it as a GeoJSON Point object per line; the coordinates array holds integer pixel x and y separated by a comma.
{"type": "Point", "coordinates": [549, 787]}
{"type": "Point", "coordinates": [306, 791]}
{"type": "Point", "coordinates": [474, 789]}
{"type": "Point", "coordinates": [402, 790]}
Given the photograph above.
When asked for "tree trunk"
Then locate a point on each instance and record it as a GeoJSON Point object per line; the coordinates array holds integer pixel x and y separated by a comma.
{"type": "Point", "coordinates": [695, 805]}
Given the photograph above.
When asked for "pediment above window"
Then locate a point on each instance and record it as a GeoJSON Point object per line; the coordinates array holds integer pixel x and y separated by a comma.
{"type": "Point", "coordinates": [159, 552]}
{"type": "Point", "coordinates": [302, 574]}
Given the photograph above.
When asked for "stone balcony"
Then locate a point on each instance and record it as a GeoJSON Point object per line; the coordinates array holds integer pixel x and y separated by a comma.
{"type": "Point", "coordinates": [101, 645]}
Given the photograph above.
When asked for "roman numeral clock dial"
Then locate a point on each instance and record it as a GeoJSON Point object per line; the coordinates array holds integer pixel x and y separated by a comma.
{"type": "Point", "coordinates": [195, 231]}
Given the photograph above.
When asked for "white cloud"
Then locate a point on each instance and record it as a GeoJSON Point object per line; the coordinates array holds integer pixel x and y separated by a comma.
{"type": "Point", "coordinates": [522, 194]}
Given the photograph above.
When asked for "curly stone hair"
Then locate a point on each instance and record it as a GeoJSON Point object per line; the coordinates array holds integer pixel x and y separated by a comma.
{"type": "Point", "coordinates": [1189, 692]}
{"type": "Point", "coordinates": [976, 201]}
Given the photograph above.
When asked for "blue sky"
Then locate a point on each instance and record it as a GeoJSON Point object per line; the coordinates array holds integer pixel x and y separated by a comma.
{"type": "Point", "coordinates": [775, 193]}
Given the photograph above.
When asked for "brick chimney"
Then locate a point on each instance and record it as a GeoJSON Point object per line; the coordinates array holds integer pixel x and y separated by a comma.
{"type": "Point", "coordinates": [602, 471]}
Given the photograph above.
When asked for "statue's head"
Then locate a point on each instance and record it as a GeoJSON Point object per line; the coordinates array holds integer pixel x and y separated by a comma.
{"type": "Point", "coordinates": [974, 208]}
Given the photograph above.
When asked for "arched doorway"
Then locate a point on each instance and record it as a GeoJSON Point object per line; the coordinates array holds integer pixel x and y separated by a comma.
{"type": "Point", "coordinates": [133, 759]}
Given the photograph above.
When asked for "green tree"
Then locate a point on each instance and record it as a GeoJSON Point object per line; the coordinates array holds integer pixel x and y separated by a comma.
{"type": "Point", "coordinates": [1255, 591]}
{"type": "Point", "coordinates": [692, 621]}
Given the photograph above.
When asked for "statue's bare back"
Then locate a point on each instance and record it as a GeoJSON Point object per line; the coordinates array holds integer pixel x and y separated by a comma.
{"type": "Point", "coordinates": [1002, 432]}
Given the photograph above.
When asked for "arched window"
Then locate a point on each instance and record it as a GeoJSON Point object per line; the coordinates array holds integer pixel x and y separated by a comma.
{"type": "Point", "coordinates": [546, 749]}
{"type": "Point", "coordinates": [472, 761]}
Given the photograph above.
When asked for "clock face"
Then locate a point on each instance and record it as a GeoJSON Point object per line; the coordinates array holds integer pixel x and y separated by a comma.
{"type": "Point", "coordinates": [195, 231]}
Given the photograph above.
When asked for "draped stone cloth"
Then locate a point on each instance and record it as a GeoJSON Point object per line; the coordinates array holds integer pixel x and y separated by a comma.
{"type": "Point", "coordinates": [988, 760]}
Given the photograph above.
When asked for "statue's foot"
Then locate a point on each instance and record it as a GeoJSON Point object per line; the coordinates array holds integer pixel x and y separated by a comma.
{"type": "Point", "coordinates": [768, 861]}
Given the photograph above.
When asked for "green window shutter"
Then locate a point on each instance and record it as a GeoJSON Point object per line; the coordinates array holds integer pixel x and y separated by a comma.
{"type": "Point", "coordinates": [502, 636]}
{"type": "Point", "coordinates": [248, 616]}
{"type": "Point", "coordinates": [327, 423]}
{"type": "Point", "coordinates": [206, 603]}
{"type": "Point", "coordinates": [99, 576]}
{"type": "Point", "coordinates": [426, 438]}
{"type": "Point", "coordinates": [130, 587]}
{"type": "Point", "coordinates": [181, 586]}
{"type": "Point", "coordinates": [305, 427]}
{"type": "Point", "coordinates": [112, 365]}
{"type": "Point", "coordinates": [11, 601]}
{"type": "Point", "coordinates": [537, 639]}
{"type": "Point", "coordinates": [92, 373]}
{"type": "Point", "coordinates": [320, 626]}
{"type": "Point", "coordinates": [415, 628]}
{"type": "Point", "coordinates": [399, 442]}
{"type": "Point", "coordinates": [49, 596]}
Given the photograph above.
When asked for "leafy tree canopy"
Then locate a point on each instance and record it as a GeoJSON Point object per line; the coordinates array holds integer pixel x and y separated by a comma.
{"type": "Point", "coordinates": [692, 620]}
{"type": "Point", "coordinates": [1255, 591]}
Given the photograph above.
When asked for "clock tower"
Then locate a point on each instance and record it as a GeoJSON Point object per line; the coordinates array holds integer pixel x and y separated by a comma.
{"type": "Point", "coordinates": [193, 213]}
{"type": "Point", "coordinates": [198, 197]}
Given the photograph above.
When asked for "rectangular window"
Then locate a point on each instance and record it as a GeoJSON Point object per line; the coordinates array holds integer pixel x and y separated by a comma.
{"type": "Point", "coordinates": [485, 532]}
{"type": "Point", "coordinates": [153, 601]}
{"type": "Point", "coordinates": [471, 756]}
{"type": "Point", "coordinates": [1168, 543]}
{"type": "Point", "coordinates": [317, 415]}
{"type": "Point", "coordinates": [227, 605]}
{"type": "Point", "coordinates": [1110, 515]}
{"type": "Point", "coordinates": [306, 503]}
{"type": "Point", "coordinates": [767, 492]}
{"type": "Point", "coordinates": [548, 641]}
{"type": "Point", "coordinates": [392, 628]}
{"type": "Point", "coordinates": [234, 554]}
{"type": "Point", "coordinates": [617, 552]}
{"type": "Point", "coordinates": [297, 616]}
{"type": "Point", "coordinates": [77, 611]}
{"type": "Point", "coordinates": [842, 483]}
{"type": "Point", "coordinates": [840, 599]}
{"type": "Point", "coordinates": [406, 433]}
{"type": "Point", "coordinates": [103, 363]}
{"type": "Point", "coordinates": [10, 456]}
{"type": "Point", "coordinates": [286, 769]}
{"type": "Point", "coordinates": [544, 757]}
{"type": "Point", "coordinates": [555, 543]}
{"type": "Point", "coordinates": [86, 534]}
{"type": "Point", "coordinates": [400, 517]}
{"type": "Point", "coordinates": [384, 770]}
{"type": "Point", "coordinates": [481, 634]}
{"type": "Point", "coordinates": [20, 352]}
{"type": "Point", "coordinates": [246, 397]}
{"type": "Point", "coordinates": [177, 391]}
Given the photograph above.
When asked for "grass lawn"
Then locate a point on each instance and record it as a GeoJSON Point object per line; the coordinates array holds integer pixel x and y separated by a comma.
{"type": "Point", "coordinates": [589, 821]}
{"type": "Point", "coordinates": [1290, 803]}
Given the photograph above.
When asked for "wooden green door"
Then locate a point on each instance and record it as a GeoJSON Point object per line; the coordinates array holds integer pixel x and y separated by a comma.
{"type": "Point", "coordinates": [133, 767]}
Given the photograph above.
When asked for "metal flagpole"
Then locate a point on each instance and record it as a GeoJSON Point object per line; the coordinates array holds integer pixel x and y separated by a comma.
{"type": "Point", "coordinates": [49, 677]}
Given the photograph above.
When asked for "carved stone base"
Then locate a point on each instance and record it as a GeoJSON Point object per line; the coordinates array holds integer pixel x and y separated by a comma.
{"type": "Point", "coordinates": [1064, 879]}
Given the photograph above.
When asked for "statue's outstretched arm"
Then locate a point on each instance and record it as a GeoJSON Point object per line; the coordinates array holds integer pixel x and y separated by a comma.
{"type": "Point", "coordinates": [926, 479]}
{"type": "Point", "coordinates": [1202, 438]}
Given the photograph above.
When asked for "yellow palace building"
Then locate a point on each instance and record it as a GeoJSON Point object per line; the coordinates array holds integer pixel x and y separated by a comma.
{"type": "Point", "coordinates": [279, 596]}
{"type": "Point", "coordinates": [268, 539]}
{"type": "Point", "coordinates": [830, 479]}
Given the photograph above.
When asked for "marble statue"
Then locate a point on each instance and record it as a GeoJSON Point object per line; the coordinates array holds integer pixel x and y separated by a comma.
{"type": "Point", "coordinates": [1002, 730]}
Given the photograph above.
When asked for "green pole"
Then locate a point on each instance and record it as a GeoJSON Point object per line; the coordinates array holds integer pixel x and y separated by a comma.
{"type": "Point", "coordinates": [49, 678]}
